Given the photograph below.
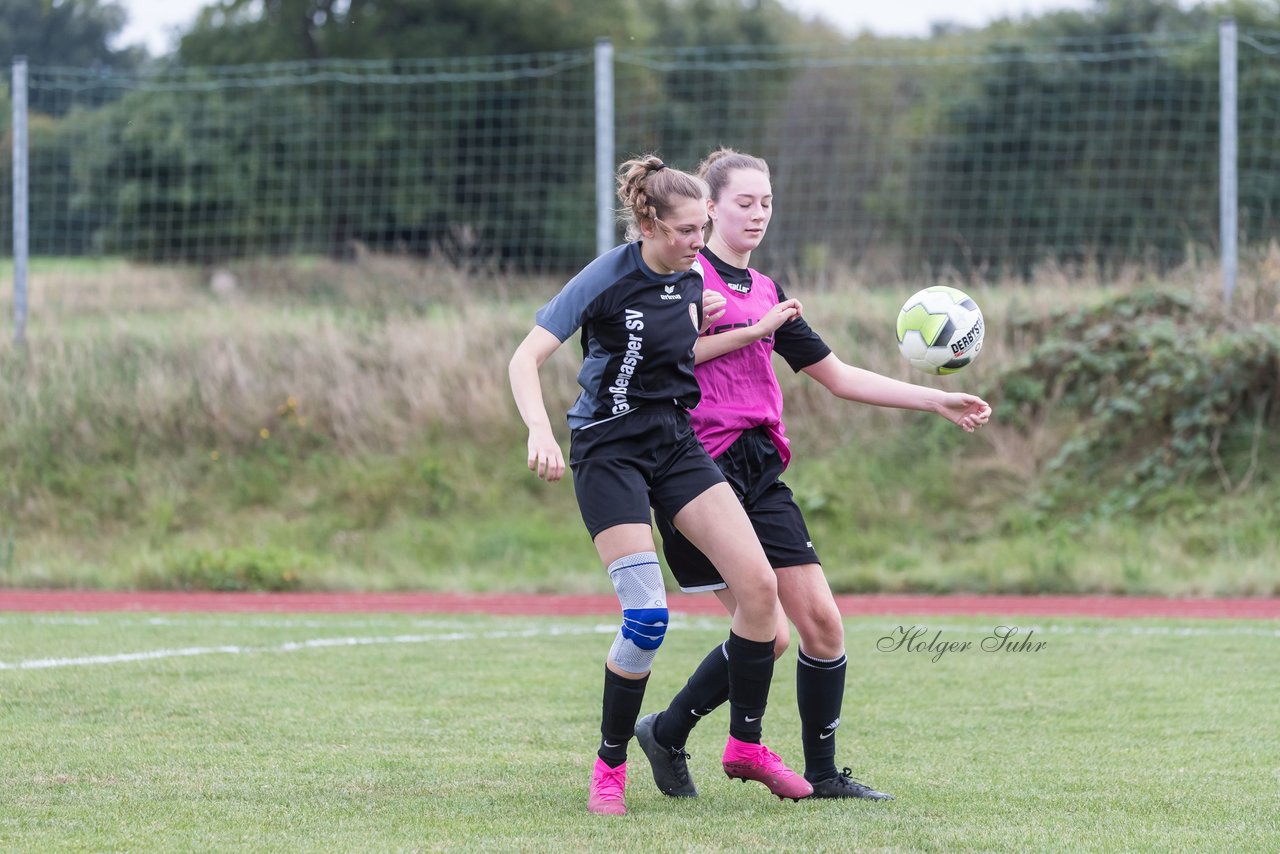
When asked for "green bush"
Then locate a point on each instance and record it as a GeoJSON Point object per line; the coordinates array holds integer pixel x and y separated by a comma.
{"type": "Point", "coordinates": [1165, 396]}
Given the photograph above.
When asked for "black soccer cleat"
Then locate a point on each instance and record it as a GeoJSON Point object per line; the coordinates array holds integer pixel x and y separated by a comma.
{"type": "Point", "coordinates": [843, 785]}
{"type": "Point", "coordinates": [670, 765]}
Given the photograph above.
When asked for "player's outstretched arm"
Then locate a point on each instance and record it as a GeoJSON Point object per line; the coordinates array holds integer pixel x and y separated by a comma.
{"type": "Point", "coordinates": [966, 411]}
{"type": "Point", "coordinates": [545, 457]}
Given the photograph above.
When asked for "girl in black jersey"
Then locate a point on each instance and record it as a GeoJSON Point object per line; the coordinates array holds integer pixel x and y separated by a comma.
{"type": "Point", "coordinates": [739, 420]}
{"type": "Point", "coordinates": [640, 308]}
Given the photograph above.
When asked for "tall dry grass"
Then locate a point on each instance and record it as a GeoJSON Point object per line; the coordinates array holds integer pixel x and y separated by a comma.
{"type": "Point", "coordinates": [153, 355]}
{"type": "Point", "coordinates": [369, 354]}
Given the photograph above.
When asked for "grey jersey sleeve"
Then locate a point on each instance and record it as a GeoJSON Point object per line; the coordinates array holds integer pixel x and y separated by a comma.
{"type": "Point", "coordinates": [565, 313]}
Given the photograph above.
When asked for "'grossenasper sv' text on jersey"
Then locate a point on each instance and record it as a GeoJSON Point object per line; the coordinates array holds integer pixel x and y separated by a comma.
{"type": "Point", "coordinates": [638, 331]}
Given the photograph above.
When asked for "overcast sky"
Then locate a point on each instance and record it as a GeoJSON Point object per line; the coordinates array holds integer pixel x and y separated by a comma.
{"type": "Point", "coordinates": [153, 22]}
{"type": "Point", "coordinates": [913, 17]}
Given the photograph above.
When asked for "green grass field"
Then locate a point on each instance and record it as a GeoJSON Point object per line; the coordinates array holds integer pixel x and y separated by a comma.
{"type": "Point", "coordinates": [130, 731]}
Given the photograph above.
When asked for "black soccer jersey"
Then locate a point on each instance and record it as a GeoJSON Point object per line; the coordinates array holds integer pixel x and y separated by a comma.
{"type": "Point", "coordinates": [638, 331]}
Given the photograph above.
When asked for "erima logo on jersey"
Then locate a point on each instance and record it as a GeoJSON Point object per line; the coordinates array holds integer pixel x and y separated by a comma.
{"type": "Point", "coordinates": [670, 293]}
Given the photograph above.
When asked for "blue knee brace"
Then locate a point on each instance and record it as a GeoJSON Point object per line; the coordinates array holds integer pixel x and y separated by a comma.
{"type": "Point", "coordinates": [637, 579]}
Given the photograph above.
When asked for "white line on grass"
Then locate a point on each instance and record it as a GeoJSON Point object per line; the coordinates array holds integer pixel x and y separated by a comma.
{"type": "Point", "coordinates": [319, 643]}
{"type": "Point", "coordinates": [554, 631]}
{"type": "Point", "coordinates": [292, 646]}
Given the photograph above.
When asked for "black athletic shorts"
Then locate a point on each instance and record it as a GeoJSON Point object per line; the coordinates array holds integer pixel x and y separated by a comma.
{"type": "Point", "coordinates": [752, 466]}
{"type": "Point", "coordinates": [648, 457]}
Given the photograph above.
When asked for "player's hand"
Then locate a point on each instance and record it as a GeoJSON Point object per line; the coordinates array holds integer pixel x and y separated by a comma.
{"type": "Point", "coordinates": [713, 308]}
{"type": "Point", "coordinates": [966, 411]}
{"type": "Point", "coordinates": [784, 311]}
{"type": "Point", "coordinates": [545, 457]}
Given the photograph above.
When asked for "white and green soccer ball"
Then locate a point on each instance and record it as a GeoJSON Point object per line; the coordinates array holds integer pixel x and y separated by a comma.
{"type": "Point", "coordinates": [940, 330]}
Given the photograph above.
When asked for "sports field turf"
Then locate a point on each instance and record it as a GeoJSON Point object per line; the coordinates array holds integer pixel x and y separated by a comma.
{"type": "Point", "coordinates": [373, 732]}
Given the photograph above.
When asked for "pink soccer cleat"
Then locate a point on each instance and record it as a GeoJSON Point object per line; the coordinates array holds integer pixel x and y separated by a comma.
{"type": "Point", "coordinates": [746, 761]}
{"type": "Point", "coordinates": [607, 788]}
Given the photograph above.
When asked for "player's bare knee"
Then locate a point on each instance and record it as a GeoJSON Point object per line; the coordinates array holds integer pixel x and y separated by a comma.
{"type": "Point", "coordinates": [756, 593]}
{"type": "Point", "coordinates": [830, 630]}
{"type": "Point", "coordinates": [822, 641]}
{"type": "Point", "coordinates": [821, 631]}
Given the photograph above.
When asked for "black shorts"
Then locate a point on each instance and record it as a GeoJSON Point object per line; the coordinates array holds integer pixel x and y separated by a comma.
{"type": "Point", "coordinates": [648, 457]}
{"type": "Point", "coordinates": [752, 466]}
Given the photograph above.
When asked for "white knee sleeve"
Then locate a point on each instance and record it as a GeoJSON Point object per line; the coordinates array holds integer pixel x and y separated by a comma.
{"type": "Point", "coordinates": [637, 579]}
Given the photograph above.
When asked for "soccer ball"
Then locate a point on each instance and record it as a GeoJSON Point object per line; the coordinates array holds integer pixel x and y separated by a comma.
{"type": "Point", "coordinates": [940, 330]}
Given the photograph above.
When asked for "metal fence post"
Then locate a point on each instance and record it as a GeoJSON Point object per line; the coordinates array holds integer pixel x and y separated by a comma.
{"type": "Point", "coordinates": [1228, 210]}
{"type": "Point", "coordinates": [606, 235]}
{"type": "Point", "coordinates": [20, 223]}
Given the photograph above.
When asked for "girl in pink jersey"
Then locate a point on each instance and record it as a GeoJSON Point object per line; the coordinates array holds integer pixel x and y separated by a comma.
{"type": "Point", "coordinates": [739, 421]}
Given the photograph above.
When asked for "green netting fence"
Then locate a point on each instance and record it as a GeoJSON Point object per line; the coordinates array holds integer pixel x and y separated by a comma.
{"type": "Point", "coordinates": [915, 160]}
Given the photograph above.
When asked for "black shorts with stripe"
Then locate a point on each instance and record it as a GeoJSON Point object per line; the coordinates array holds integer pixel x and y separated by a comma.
{"type": "Point", "coordinates": [752, 466]}
{"type": "Point", "coordinates": [649, 457]}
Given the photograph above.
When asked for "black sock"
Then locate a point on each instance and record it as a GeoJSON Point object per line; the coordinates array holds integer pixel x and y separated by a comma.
{"type": "Point", "coordinates": [820, 696]}
{"type": "Point", "coordinates": [706, 690]}
{"type": "Point", "coordinates": [750, 672]}
{"type": "Point", "coordinates": [621, 708]}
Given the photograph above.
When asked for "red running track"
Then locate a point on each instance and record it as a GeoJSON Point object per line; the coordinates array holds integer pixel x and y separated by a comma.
{"type": "Point", "coordinates": [548, 605]}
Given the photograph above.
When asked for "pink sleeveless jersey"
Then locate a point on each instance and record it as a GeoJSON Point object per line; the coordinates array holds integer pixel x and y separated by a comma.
{"type": "Point", "coordinates": [740, 389]}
